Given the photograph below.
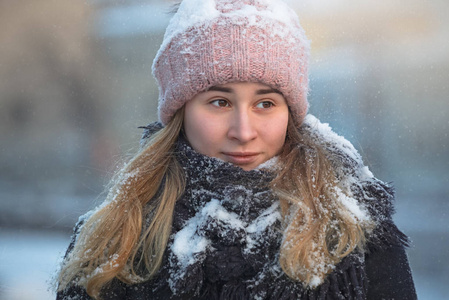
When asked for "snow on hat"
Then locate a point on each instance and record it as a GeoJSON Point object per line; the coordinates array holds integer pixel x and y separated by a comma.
{"type": "Point", "coordinates": [213, 42]}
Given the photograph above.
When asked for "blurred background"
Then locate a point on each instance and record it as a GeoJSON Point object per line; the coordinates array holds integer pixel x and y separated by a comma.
{"type": "Point", "coordinates": [75, 83]}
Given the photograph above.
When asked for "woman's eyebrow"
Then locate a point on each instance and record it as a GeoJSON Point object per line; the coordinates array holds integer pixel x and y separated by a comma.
{"type": "Point", "coordinates": [267, 91]}
{"type": "Point", "coordinates": [230, 90]}
{"type": "Point", "coordinates": [220, 89]}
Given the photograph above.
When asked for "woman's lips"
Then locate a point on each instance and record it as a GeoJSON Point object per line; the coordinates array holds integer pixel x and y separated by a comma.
{"type": "Point", "coordinates": [241, 158]}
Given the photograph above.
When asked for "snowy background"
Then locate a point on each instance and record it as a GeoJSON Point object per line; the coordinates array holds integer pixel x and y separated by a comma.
{"type": "Point", "coordinates": [75, 83]}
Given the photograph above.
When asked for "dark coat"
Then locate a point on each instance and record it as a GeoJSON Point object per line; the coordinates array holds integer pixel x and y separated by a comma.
{"type": "Point", "coordinates": [226, 237]}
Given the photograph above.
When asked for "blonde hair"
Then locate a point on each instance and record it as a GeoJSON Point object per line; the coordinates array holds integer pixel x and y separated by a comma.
{"type": "Point", "coordinates": [111, 243]}
{"type": "Point", "coordinates": [115, 241]}
{"type": "Point", "coordinates": [319, 230]}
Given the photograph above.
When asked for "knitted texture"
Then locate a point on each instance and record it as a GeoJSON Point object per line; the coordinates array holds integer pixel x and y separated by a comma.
{"type": "Point", "coordinates": [213, 42]}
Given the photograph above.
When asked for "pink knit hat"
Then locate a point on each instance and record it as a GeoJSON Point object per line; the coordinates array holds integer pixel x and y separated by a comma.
{"type": "Point", "coordinates": [213, 42]}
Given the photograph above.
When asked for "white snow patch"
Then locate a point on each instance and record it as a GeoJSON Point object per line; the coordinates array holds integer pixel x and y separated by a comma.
{"type": "Point", "coordinates": [190, 12]}
{"type": "Point", "coordinates": [315, 281]}
{"type": "Point", "coordinates": [195, 13]}
{"type": "Point", "coordinates": [271, 164]}
{"type": "Point", "coordinates": [266, 219]}
{"type": "Point", "coordinates": [189, 242]}
{"type": "Point", "coordinates": [215, 210]}
{"type": "Point", "coordinates": [325, 133]}
{"type": "Point", "coordinates": [365, 173]}
{"type": "Point", "coordinates": [353, 206]}
{"type": "Point", "coordinates": [260, 224]}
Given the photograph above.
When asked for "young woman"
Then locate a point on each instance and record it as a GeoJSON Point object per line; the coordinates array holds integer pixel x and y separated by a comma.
{"type": "Point", "coordinates": [236, 193]}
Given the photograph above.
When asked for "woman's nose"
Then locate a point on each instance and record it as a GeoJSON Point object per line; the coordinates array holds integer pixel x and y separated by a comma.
{"type": "Point", "coordinates": [242, 127]}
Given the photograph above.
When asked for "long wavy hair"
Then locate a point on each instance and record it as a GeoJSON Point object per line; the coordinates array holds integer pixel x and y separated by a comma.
{"type": "Point", "coordinates": [126, 237]}
{"type": "Point", "coordinates": [319, 230]}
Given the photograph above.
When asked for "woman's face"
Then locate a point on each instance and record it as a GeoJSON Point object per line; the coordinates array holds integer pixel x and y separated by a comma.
{"type": "Point", "coordinates": [242, 123]}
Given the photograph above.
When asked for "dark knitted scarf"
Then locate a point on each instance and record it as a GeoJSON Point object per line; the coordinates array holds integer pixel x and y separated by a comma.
{"type": "Point", "coordinates": [226, 239]}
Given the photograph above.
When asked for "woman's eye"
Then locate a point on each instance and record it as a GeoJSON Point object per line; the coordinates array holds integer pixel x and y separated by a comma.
{"type": "Point", "coordinates": [265, 104]}
{"type": "Point", "coordinates": [220, 103]}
